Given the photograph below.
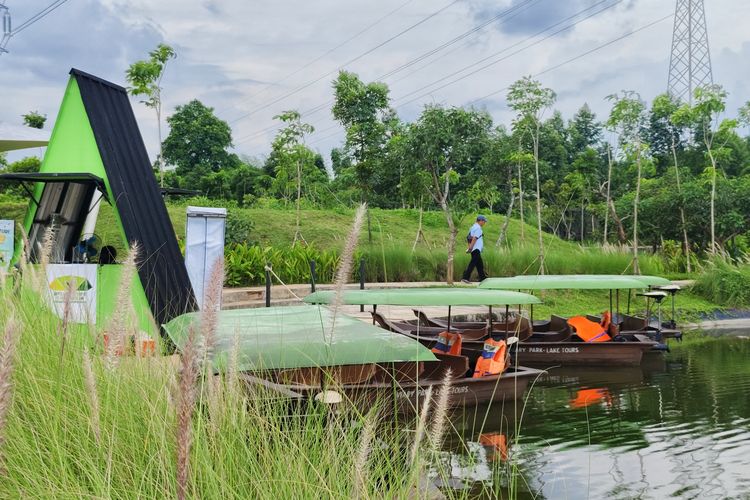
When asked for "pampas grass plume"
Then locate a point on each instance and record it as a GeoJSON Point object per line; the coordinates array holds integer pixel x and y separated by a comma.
{"type": "Point", "coordinates": [7, 355]}
{"type": "Point", "coordinates": [187, 393]}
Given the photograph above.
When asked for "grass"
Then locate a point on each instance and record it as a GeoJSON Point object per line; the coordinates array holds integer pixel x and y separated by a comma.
{"type": "Point", "coordinates": [724, 283]}
{"type": "Point", "coordinates": [154, 427]}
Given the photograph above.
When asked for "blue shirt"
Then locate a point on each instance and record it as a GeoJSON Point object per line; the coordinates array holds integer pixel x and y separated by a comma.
{"type": "Point", "coordinates": [476, 232]}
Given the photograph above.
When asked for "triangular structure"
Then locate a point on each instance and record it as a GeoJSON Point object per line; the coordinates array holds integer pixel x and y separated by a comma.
{"type": "Point", "coordinates": [96, 134]}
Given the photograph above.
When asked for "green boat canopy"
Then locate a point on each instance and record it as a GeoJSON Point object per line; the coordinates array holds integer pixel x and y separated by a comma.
{"type": "Point", "coordinates": [297, 337]}
{"type": "Point", "coordinates": [569, 282]}
{"type": "Point", "coordinates": [425, 297]}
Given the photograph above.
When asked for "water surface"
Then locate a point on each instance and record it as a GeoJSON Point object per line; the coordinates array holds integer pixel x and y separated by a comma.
{"type": "Point", "coordinates": [678, 426]}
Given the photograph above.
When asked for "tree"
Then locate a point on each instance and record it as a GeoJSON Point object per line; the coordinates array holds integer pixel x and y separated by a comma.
{"type": "Point", "coordinates": [34, 119]}
{"type": "Point", "coordinates": [628, 117]}
{"type": "Point", "coordinates": [662, 113]}
{"type": "Point", "coordinates": [363, 110]}
{"type": "Point", "coordinates": [710, 103]}
{"type": "Point", "coordinates": [530, 100]}
{"type": "Point", "coordinates": [583, 132]}
{"type": "Point", "coordinates": [293, 156]}
{"type": "Point", "coordinates": [145, 79]}
{"type": "Point", "coordinates": [443, 143]}
{"type": "Point", "coordinates": [197, 144]}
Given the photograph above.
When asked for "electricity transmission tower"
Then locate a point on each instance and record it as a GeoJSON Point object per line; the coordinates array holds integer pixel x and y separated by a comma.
{"type": "Point", "coordinates": [690, 63]}
{"type": "Point", "coordinates": [7, 31]}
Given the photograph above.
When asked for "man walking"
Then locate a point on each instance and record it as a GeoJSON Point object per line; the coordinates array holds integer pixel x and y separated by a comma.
{"type": "Point", "coordinates": [476, 244]}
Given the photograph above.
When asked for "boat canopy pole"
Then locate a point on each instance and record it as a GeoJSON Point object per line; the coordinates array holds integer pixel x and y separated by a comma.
{"type": "Point", "coordinates": [449, 318]}
{"type": "Point", "coordinates": [610, 301]}
{"type": "Point", "coordinates": [507, 313]}
{"type": "Point", "coordinates": [531, 316]}
{"type": "Point", "coordinates": [374, 310]}
{"type": "Point", "coordinates": [617, 302]}
{"type": "Point", "coordinates": [490, 321]}
{"type": "Point", "coordinates": [628, 300]}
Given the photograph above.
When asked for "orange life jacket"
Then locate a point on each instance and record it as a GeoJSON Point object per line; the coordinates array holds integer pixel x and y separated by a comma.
{"type": "Point", "coordinates": [606, 320]}
{"type": "Point", "coordinates": [448, 343]}
{"type": "Point", "coordinates": [588, 330]}
{"type": "Point", "coordinates": [492, 361]}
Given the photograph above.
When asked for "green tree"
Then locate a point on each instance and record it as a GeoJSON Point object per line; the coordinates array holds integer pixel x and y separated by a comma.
{"type": "Point", "coordinates": [34, 119]}
{"type": "Point", "coordinates": [662, 113]}
{"type": "Point", "coordinates": [443, 143]}
{"type": "Point", "coordinates": [704, 115]}
{"type": "Point", "coordinates": [363, 110]}
{"type": "Point", "coordinates": [145, 78]}
{"type": "Point", "coordinates": [293, 157]}
{"type": "Point", "coordinates": [197, 145]}
{"type": "Point", "coordinates": [628, 118]}
{"type": "Point", "coordinates": [529, 99]}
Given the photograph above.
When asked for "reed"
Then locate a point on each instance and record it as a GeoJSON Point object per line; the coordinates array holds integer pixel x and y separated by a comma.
{"type": "Point", "coordinates": [7, 356]}
{"type": "Point", "coordinates": [93, 393]}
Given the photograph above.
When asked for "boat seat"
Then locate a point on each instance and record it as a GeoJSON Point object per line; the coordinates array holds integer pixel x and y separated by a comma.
{"type": "Point", "coordinates": [458, 366]}
{"type": "Point", "coordinates": [408, 371]}
{"type": "Point", "coordinates": [315, 376]}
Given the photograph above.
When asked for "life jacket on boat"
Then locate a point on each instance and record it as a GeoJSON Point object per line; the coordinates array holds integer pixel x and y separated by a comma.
{"type": "Point", "coordinates": [493, 359]}
{"type": "Point", "coordinates": [448, 343]}
{"type": "Point", "coordinates": [588, 330]}
{"type": "Point", "coordinates": [606, 320]}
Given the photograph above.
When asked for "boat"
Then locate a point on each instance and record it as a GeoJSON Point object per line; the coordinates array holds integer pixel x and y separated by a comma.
{"type": "Point", "coordinates": [628, 350]}
{"type": "Point", "coordinates": [308, 352]}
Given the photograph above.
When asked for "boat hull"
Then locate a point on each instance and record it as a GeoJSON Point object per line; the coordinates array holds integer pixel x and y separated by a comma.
{"type": "Point", "coordinates": [408, 397]}
{"type": "Point", "coordinates": [566, 353]}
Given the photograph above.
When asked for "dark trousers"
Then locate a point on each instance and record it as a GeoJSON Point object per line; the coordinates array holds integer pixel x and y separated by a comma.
{"type": "Point", "coordinates": [476, 261]}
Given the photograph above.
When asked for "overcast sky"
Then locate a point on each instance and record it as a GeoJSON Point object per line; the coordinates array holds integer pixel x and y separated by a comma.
{"type": "Point", "coordinates": [251, 60]}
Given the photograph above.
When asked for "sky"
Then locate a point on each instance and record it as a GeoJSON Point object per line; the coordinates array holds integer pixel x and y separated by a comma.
{"type": "Point", "coordinates": [252, 60]}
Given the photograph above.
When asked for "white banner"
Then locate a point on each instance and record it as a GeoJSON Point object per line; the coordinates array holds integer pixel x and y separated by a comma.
{"type": "Point", "coordinates": [6, 243]}
{"type": "Point", "coordinates": [204, 245]}
{"type": "Point", "coordinates": [74, 285]}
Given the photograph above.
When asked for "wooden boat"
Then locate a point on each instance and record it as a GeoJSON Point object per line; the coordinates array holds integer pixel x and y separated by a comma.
{"type": "Point", "coordinates": [403, 386]}
{"type": "Point", "coordinates": [301, 352]}
{"type": "Point", "coordinates": [571, 350]}
{"type": "Point", "coordinates": [628, 351]}
{"type": "Point", "coordinates": [653, 328]}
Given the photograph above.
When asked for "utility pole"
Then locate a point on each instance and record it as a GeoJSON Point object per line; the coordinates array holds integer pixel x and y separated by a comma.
{"type": "Point", "coordinates": [690, 62]}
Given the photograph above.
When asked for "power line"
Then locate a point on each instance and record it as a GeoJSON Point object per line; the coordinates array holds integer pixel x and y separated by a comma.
{"type": "Point", "coordinates": [492, 63]}
{"type": "Point", "coordinates": [329, 51]}
{"type": "Point", "coordinates": [373, 49]}
{"type": "Point", "coordinates": [41, 14]}
{"type": "Point", "coordinates": [582, 55]}
{"type": "Point", "coordinates": [525, 4]}
{"type": "Point", "coordinates": [549, 69]}
{"type": "Point", "coordinates": [515, 10]}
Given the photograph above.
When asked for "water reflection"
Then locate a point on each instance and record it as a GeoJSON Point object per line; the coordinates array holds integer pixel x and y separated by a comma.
{"type": "Point", "coordinates": [676, 426]}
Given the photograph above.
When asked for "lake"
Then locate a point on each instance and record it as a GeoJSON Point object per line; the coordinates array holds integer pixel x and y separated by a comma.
{"type": "Point", "coordinates": [677, 426]}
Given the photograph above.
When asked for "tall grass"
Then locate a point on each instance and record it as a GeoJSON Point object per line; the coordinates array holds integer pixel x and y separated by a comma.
{"type": "Point", "coordinates": [724, 283]}
{"type": "Point", "coordinates": [397, 263]}
{"type": "Point", "coordinates": [162, 427]}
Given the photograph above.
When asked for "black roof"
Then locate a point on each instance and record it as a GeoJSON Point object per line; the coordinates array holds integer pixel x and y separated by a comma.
{"type": "Point", "coordinates": [137, 197]}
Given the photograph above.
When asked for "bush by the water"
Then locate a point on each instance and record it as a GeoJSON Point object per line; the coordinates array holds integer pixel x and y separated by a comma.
{"type": "Point", "coordinates": [724, 283]}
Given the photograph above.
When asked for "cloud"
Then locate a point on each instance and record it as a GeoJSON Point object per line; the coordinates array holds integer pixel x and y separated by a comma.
{"type": "Point", "coordinates": [237, 56]}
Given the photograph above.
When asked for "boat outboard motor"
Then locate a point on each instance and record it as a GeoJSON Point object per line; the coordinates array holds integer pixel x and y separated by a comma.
{"type": "Point", "coordinates": [658, 297]}
{"type": "Point", "coordinates": [672, 290]}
